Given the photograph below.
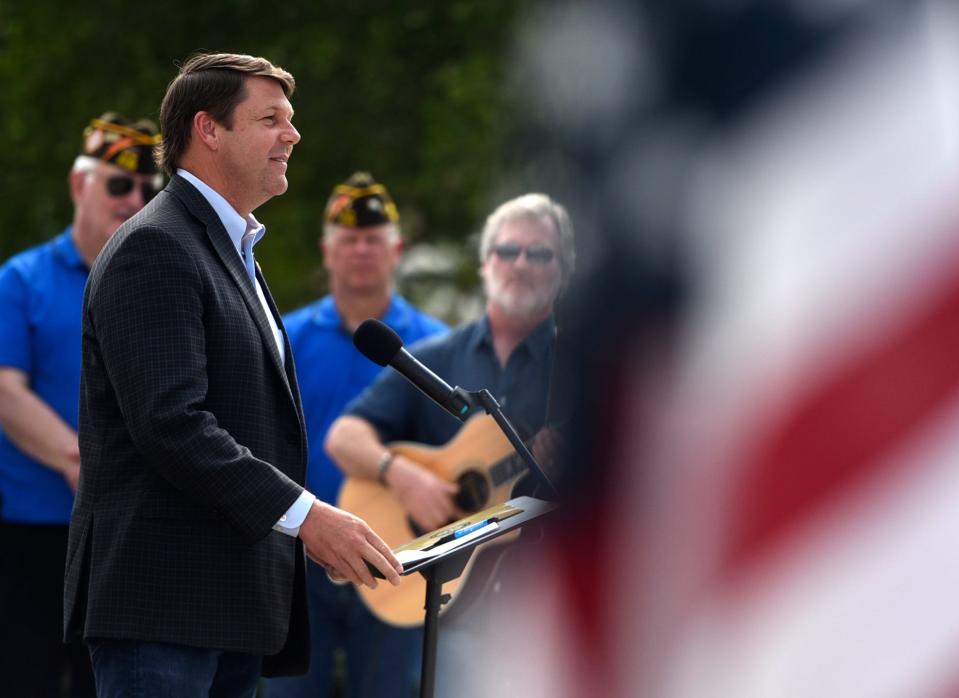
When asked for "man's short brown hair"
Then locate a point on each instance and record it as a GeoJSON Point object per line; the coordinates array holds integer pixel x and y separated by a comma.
{"type": "Point", "coordinates": [210, 82]}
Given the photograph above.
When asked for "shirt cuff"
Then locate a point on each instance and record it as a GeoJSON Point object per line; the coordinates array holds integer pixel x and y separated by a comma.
{"type": "Point", "coordinates": [294, 517]}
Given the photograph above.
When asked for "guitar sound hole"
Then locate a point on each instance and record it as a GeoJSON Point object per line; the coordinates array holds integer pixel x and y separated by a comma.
{"type": "Point", "coordinates": [474, 492]}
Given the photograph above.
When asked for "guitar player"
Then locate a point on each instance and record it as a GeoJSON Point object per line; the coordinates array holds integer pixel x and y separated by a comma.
{"type": "Point", "coordinates": [527, 257]}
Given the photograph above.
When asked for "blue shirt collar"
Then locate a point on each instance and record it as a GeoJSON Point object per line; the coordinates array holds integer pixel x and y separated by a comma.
{"type": "Point", "coordinates": [235, 224]}
{"type": "Point", "coordinates": [479, 334]}
{"type": "Point", "coordinates": [397, 313]}
{"type": "Point", "coordinates": [537, 343]}
{"type": "Point", "coordinates": [66, 249]}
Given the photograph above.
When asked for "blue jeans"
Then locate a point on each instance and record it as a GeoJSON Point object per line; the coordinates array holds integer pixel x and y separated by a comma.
{"type": "Point", "coordinates": [382, 661]}
{"type": "Point", "coordinates": [134, 669]}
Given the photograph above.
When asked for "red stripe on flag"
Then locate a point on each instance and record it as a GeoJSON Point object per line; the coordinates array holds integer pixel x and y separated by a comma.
{"type": "Point", "coordinates": [837, 433]}
{"type": "Point", "coordinates": [585, 537]}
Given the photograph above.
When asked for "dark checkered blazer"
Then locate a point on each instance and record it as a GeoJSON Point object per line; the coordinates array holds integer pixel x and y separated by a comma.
{"type": "Point", "coordinates": [192, 446]}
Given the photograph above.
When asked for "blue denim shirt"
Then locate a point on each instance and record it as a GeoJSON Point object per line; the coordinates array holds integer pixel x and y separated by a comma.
{"type": "Point", "coordinates": [464, 358]}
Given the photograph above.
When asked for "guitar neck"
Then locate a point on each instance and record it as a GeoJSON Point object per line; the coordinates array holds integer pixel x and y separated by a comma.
{"type": "Point", "coordinates": [506, 469]}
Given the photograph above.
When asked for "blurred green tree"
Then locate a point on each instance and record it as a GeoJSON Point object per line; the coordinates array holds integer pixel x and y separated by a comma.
{"type": "Point", "coordinates": [415, 92]}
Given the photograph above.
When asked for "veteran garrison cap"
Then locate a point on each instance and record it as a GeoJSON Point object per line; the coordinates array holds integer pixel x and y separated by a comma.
{"type": "Point", "coordinates": [119, 141]}
{"type": "Point", "coordinates": [361, 202]}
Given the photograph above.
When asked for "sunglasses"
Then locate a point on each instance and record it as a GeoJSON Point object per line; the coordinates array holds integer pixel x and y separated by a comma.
{"type": "Point", "coordinates": [535, 254]}
{"type": "Point", "coordinates": [118, 185]}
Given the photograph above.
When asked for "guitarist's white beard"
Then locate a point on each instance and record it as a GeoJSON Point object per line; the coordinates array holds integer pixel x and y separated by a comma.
{"type": "Point", "coordinates": [519, 298]}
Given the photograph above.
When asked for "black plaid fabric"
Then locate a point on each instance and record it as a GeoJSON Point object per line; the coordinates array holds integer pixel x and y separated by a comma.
{"type": "Point", "coordinates": [192, 446]}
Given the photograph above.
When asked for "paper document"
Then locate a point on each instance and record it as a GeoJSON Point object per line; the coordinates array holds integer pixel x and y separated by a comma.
{"type": "Point", "coordinates": [410, 555]}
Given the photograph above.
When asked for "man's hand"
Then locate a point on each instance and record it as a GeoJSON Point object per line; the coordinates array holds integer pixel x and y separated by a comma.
{"type": "Point", "coordinates": [427, 498]}
{"type": "Point", "coordinates": [71, 472]}
{"type": "Point", "coordinates": [549, 446]}
{"type": "Point", "coordinates": [342, 544]}
{"type": "Point", "coordinates": [35, 428]}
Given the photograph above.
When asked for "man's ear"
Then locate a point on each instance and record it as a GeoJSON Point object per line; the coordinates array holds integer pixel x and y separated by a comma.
{"type": "Point", "coordinates": [324, 246]}
{"type": "Point", "coordinates": [78, 182]}
{"type": "Point", "coordinates": [205, 130]}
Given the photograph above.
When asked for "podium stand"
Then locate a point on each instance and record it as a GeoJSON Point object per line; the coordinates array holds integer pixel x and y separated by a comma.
{"type": "Point", "coordinates": [450, 564]}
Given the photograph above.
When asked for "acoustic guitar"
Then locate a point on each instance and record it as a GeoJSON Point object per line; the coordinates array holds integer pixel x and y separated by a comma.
{"type": "Point", "coordinates": [480, 460]}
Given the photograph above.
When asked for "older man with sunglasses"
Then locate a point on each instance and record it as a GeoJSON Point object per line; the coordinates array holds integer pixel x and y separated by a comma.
{"type": "Point", "coordinates": [527, 257]}
{"type": "Point", "coordinates": [41, 294]}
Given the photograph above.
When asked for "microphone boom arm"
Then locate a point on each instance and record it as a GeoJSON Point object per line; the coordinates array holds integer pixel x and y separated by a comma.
{"type": "Point", "coordinates": [486, 399]}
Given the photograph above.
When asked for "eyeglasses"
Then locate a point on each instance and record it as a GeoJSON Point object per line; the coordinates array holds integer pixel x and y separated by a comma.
{"type": "Point", "coordinates": [535, 254]}
{"type": "Point", "coordinates": [119, 185]}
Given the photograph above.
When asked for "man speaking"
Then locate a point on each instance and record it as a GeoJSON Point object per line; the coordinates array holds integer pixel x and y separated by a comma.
{"type": "Point", "coordinates": [184, 571]}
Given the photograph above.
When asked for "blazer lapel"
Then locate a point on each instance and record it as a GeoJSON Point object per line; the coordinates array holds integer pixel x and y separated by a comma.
{"type": "Point", "coordinates": [227, 253]}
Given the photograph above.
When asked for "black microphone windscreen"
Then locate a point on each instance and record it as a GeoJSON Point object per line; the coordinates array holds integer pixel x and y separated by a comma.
{"type": "Point", "coordinates": [377, 342]}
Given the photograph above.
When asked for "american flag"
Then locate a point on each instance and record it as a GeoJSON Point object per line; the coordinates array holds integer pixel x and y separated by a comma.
{"type": "Point", "coordinates": [777, 511]}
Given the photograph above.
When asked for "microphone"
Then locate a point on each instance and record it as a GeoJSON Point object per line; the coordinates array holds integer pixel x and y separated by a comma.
{"type": "Point", "coordinates": [383, 346]}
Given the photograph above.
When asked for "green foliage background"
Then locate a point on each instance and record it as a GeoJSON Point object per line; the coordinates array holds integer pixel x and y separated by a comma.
{"type": "Point", "coordinates": [415, 92]}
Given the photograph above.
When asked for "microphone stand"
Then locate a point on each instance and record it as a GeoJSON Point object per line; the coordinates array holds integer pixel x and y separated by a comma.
{"type": "Point", "coordinates": [381, 345]}
{"type": "Point", "coordinates": [492, 407]}
{"type": "Point", "coordinates": [452, 565]}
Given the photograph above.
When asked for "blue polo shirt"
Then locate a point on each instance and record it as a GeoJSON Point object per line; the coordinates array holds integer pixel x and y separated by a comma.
{"type": "Point", "coordinates": [465, 357]}
{"type": "Point", "coordinates": [41, 296]}
{"type": "Point", "coordinates": [331, 372]}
